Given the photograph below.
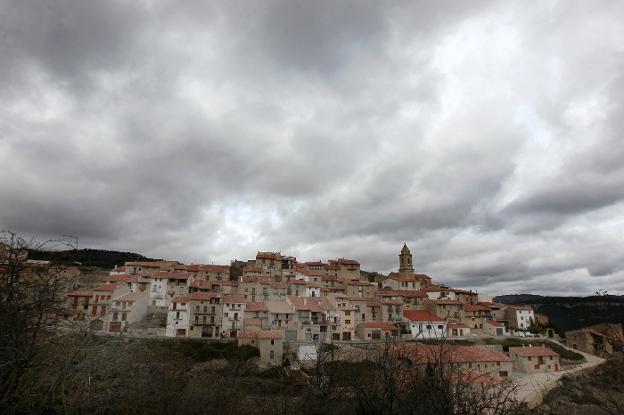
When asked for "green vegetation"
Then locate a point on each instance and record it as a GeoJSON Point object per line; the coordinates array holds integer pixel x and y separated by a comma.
{"type": "Point", "coordinates": [600, 391]}
{"type": "Point", "coordinates": [201, 350]}
{"type": "Point", "coordinates": [101, 258]}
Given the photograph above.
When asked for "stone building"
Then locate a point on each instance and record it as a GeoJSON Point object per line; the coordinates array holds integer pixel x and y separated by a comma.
{"type": "Point", "coordinates": [536, 359]}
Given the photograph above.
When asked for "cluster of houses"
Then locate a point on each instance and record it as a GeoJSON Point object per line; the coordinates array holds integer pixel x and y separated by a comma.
{"type": "Point", "coordinates": [277, 300]}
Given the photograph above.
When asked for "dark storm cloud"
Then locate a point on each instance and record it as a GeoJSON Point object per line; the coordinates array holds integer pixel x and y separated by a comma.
{"type": "Point", "coordinates": [485, 135]}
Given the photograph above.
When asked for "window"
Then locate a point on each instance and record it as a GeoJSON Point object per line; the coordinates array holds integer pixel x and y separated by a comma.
{"type": "Point", "coordinates": [347, 321]}
{"type": "Point", "coordinates": [177, 314]}
{"type": "Point", "coordinates": [123, 316]}
{"type": "Point", "coordinates": [272, 342]}
{"type": "Point", "coordinates": [428, 327]}
{"type": "Point", "coordinates": [115, 316]}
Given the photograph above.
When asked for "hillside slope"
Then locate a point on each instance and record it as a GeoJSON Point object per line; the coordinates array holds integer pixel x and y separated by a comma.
{"type": "Point", "coordinates": [570, 313]}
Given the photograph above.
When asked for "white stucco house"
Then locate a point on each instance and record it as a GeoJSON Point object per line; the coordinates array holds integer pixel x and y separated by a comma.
{"type": "Point", "coordinates": [178, 317]}
{"type": "Point", "coordinates": [425, 325]}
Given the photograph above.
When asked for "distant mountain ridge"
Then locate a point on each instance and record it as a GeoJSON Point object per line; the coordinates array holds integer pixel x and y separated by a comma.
{"type": "Point", "coordinates": [571, 313]}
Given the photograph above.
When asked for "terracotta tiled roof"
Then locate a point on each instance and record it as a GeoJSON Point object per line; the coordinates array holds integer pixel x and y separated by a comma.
{"type": "Point", "coordinates": [306, 303]}
{"type": "Point", "coordinates": [345, 261]}
{"type": "Point", "coordinates": [532, 351]}
{"type": "Point", "coordinates": [123, 278]}
{"type": "Point", "coordinates": [202, 296]}
{"type": "Point", "coordinates": [475, 307]}
{"type": "Point", "coordinates": [129, 297]}
{"type": "Point", "coordinates": [256, 306]}
{"type": "Point", "coordinates": [106, 287]}
{"type": "Point", "coordinates": [494, 323]}
{"type": "Point", "coordinates": [234, 299]}
{"type": "Point", "coordinates": [379, 325]}
{"type": "Point", "coordinates": [182, 298]}
{"type": "Point", "coordinates": [454, 354]}
{"type": "Point", "coordinates": [261, 334]}
{"type": "Point", "coordinates": [225, 269]}
{"type": "Point", "coordinates": [421, 315]}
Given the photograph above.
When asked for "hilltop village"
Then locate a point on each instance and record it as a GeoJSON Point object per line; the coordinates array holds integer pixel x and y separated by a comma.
{"type": "Point", "coordinates": [277, 301]}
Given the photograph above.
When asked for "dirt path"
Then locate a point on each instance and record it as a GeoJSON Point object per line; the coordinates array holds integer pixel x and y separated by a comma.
{"type": "Point", "coordinates": [532, 388]}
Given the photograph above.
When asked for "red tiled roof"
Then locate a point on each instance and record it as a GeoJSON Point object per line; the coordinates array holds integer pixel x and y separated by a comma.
{"type": "Point", "coordinates": [129, 297]}
{"type": "Point", "coordinates": [345, 261]}
{"type": "Point", "coordinates": [234, 299]}
{"type": "Point", "coordinates": [256, 306]}
{"type": "Point", "coordinates": [261, 334]}
{"type": "Point", "coordinates": [532, 351]}
{"type": "Point", "coordinates": [106, 287]}
{"type": "Point", "coordinates": [202, 296]}
{"type": "Point", "coordinates": [421, 315]}
{"type": "Point", "coordinates": [494, 323]}
{"type": "Point", "coordinates": [215, 268]}
{"type": "Point", "coordinates": [123, 278]}
{"type": "Point", "coordinates": [315, 264]}
{"type": "Point", "coordinates": [379, 325]}
{"type": "Point", "coordinates": [183, 298]}
{"type": "Point", "coordinates": [453, 354]}
{"type": "Point", "coordinates": [306, 303]}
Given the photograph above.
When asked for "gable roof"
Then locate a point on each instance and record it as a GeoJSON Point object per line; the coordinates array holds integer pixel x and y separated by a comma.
{"type": "Point", "coordinates": [421, 315]}
{"type": "Point", "coordinates": [106, 287]}
{"type": "Point", "coordinates": [532, 351]}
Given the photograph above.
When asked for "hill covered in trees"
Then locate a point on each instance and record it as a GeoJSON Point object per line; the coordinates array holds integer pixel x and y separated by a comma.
{"type": "Point", "coordinates": [100, 258]}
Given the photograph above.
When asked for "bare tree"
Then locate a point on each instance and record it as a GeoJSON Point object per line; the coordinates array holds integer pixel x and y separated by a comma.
{"type": "Point", "coordinates": [31, 299]}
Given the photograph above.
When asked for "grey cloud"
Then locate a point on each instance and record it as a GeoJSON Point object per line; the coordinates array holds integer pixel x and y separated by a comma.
{"type": "Point", "coordinates": [207, 131]}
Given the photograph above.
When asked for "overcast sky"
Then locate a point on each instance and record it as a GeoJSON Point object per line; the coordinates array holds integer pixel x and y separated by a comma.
{"type": "Point", "coordinates": [486, 135]}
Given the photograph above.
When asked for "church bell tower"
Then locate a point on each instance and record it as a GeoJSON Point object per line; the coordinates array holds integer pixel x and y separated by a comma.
{"type": "Point", "coordinates": [406, 268]}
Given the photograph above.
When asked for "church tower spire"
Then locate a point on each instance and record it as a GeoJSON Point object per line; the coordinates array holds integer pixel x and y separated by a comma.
{"type": "Point", "coordinates": [406, 268]}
